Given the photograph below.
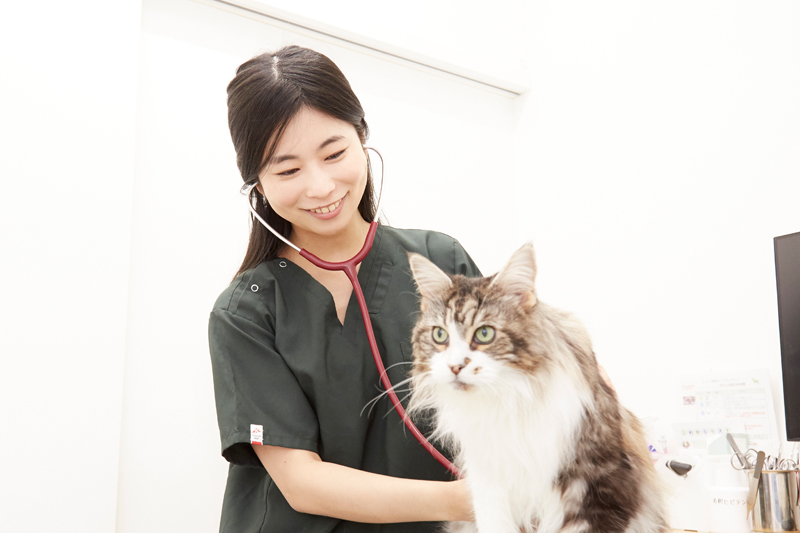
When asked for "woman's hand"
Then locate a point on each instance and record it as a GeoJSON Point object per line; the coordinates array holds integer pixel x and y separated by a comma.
{"type": "Point", "coordinates": [461, 502]}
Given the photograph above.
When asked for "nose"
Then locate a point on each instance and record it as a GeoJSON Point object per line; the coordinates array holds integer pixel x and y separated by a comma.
{"type": "Point", "coordinates": [459, 367]}
{"type": "Point", "coordinates": [320, 183]}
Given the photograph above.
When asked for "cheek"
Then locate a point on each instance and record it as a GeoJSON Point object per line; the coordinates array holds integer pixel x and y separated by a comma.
{"type": "Point", "coordinates": [355, 174]}
{"type": "Point", "coordinates": [281, 195]}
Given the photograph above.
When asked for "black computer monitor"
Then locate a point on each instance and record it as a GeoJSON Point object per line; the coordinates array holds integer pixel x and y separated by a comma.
{"type": "Point", "coordinates": [787, 273]}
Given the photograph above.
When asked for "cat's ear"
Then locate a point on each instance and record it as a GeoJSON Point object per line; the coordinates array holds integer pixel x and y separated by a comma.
{"type": "Point", "coordinates": [431, 281]}
{"type": "Point", "coordinates": [518, 277]}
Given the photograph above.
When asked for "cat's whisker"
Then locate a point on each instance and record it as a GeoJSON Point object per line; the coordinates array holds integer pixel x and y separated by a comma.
{"type": "Point", "coordinates": [391, 410]}
{"type": "Point", "coordinates": [401, 383]}
{"type": "Point", "coordinates": [385, 370]}
{"type": "Point", "coordinates": [375, 400]}
{"type": "Point", "coordinates": [371, 404]}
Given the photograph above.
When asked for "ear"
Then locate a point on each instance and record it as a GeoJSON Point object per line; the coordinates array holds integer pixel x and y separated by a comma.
{"type": "Point", "coordinates": [429, 278]}
{"type": "Point", "coordinates": [518, 277]}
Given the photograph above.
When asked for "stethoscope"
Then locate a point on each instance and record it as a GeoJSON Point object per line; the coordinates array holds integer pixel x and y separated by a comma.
{"type": "Point", "coordinates": [349, 268]}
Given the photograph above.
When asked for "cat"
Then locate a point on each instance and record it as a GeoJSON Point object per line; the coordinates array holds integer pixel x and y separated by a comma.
{"type": "Point", "coordinates": [514, 391]}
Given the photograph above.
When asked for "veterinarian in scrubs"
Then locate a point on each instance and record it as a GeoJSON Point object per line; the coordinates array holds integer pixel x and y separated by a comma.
{"type": "Point", "coordinates": [293, 373]}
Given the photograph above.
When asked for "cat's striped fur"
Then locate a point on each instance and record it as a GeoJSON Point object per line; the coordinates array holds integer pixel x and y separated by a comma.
{"type": "Point", "coordinates": [542, 440]}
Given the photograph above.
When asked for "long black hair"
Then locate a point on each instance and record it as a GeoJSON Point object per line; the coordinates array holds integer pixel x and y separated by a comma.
{"type": "Point", "coordinates": [266, 93]}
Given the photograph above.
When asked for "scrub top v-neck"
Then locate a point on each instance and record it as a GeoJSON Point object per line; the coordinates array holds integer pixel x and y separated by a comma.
{"type": "Point", "coordinates": [288, 373]}
{"type": "Point", "coordinates": [301, 277]}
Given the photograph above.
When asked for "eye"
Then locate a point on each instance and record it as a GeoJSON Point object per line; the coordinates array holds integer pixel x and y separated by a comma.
{"type": "Point", "coordinates": [440, 336]}
{"type": "Point", "coordinates": [335, 156]}
{"type": "Point", "coordinates": [484, 335]}
{"type": "Point", "coordinates": [287, 173]}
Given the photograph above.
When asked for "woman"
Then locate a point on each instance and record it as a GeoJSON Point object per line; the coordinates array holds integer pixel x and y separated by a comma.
{"type": "Point", "coordinates": [292, 368]}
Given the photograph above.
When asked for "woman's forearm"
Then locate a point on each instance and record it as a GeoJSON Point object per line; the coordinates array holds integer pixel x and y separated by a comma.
{"type": "Point", "coordinates": [313, 486]}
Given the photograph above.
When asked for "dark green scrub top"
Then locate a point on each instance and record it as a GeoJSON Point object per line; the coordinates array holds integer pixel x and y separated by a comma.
{"type": "Point", "coordinates": [282, 360]}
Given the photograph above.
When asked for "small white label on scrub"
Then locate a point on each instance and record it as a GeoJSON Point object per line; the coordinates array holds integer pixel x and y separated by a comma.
{"type": "Point", "coordinates": [256, 434]}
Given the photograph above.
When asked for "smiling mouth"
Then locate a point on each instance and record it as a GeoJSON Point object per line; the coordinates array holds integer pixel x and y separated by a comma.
{"type": "Point", "coordinates": [328, 208]}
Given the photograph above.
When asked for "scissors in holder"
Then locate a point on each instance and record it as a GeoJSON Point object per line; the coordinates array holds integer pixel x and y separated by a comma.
{"type": "Point", "coordinates": [745, 461]}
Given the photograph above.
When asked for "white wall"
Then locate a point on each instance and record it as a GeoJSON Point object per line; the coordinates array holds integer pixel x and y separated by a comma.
{"type": "Point", "coordinates": [658, 155]}
{"type": "Point", "coordinates": [472, 38]}
{"type": "Point", "coordinates": [652, 162]}
{"type": "Point", "coordinates": [67, 104]}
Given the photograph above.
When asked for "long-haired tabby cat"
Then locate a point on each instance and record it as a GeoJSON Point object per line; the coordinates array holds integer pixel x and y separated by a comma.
{"type": "Point", "coordinates": [515, 392]}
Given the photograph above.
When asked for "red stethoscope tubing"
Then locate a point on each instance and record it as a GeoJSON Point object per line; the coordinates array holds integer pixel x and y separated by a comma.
{"type": "Point", "coordinates": [349, 268]}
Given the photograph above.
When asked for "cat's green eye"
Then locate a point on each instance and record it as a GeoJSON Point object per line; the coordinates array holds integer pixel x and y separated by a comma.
{"type": "Point", "coordinates": [484, 334]}
{"type": "Point", "coordinates": [440, 336]}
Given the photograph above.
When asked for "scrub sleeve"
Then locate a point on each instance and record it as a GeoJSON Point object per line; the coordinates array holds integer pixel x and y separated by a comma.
{"type": "Point", "coordinates": [288, 373]}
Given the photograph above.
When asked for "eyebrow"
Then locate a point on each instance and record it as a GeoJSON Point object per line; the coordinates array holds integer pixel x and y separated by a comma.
{"type": "Point", "coordinates": [281, 159]}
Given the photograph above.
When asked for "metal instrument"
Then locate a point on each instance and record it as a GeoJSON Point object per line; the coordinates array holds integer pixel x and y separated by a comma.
{"type": "Point", "coordinates": [773, 495]}
{"type": "Point", "coordinates": [755, 477]}
{"type": "Point", "coordinates": [770, 462]}
{"type": "Point", "coordinates": [776, 504]}
{"type": "Point", "coordinates": [736, 451]}
{"type": "Point", "coordinates": [747, 461]}
{"type": "Point", "coordinates": [744, 461]}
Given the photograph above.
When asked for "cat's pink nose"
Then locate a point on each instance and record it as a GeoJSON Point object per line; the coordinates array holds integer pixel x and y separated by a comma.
{"type": "Point", "coordinates": [458, 368]}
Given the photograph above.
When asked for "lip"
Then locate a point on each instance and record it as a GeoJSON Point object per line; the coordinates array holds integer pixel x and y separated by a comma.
{"type": "Point", "coordinates": [330, 214]}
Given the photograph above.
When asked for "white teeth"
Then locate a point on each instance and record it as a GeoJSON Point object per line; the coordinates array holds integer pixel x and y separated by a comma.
{"type": "Point", "coordinates": [327, 208]}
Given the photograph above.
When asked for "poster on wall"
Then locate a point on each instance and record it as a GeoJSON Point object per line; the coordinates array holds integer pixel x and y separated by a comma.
{"type": "Point", "coordinates": [731, 402]}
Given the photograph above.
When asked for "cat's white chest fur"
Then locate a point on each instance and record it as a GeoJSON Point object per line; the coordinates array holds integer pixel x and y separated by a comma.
{"type": "Point", "coordinates": [513, 442]}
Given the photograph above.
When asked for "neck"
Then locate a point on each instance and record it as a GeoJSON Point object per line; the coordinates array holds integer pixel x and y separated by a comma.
{"type": "Point", "coordinates": [334, 248]}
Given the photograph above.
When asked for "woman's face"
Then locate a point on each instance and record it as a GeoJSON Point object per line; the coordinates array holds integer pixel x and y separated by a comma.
{"type": "Point", "coordinates": [317, 175]}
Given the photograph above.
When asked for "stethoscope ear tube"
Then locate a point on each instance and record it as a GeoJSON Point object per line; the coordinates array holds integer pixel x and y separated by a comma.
{"type": "Point", "coordinates": [383, 175]}
{"type": "Point", "coordinates": [246, 190]}
{"type": "Point", "coordinates": [349, 268]}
